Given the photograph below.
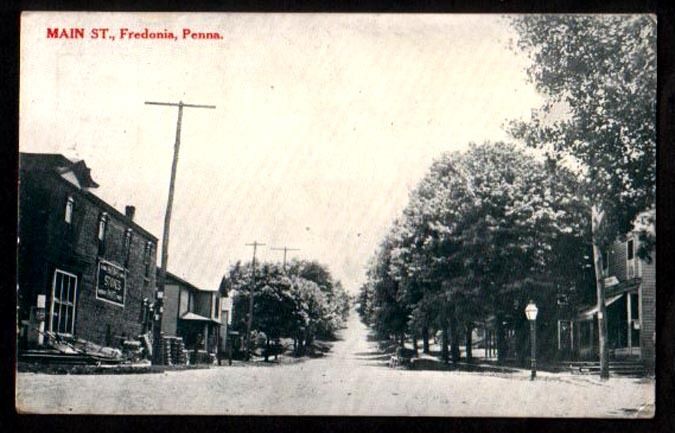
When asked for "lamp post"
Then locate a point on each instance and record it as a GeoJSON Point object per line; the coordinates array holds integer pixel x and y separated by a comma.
{"type": "Point", "coordinates": [531, 313]}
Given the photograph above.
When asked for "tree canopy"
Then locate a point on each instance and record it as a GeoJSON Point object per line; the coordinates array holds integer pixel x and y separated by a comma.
{"type": "Point", "coordinates": [301, 300]}
{"type": "Point", "coordinates": [602, 71]}
{"type": "Point", "coordinates": [482, 233]}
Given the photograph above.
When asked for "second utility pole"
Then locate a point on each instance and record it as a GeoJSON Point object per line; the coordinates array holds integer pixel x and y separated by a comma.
{"type": "Point", "coordinates": [249, 322]}
{"type": "Point", "coordinates": [157, 358]}
{"type": "Point", "coordinates": [285, 250]}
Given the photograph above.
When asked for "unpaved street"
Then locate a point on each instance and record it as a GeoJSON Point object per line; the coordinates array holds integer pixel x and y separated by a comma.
{"type": "Point", "coordinates": [351, 380]}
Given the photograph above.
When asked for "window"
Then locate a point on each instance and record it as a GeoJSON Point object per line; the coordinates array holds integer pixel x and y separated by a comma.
{"type": "Point", "coordinates": [102, 226]}
{"type": "Point", "coordinates": [69, 209]}
{"type": "Point", "coordinates": [127, 246]}
{"type": "Point", "coordinates": [147, 258]}
{"type": "Point", "coordinates": [62, 308]}
{"type": "Point", "coordinates": [215, 306]}
{"type": "Point", "coordinates": [630, 258]}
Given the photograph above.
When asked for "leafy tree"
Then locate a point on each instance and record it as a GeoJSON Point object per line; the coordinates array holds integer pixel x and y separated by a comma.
{"type": "Point", "coordinates": [389, 314]}
{"type": "Point", "coordinates": [478, 238]}
{"type": "Point", "coordinates": [300, 301]}
{"type": "Point", "coordinates": [601, 72]}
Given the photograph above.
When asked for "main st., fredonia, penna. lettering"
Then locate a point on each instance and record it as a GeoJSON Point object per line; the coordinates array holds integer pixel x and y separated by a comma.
{"type": "Point", "coordinates": [126, 34]}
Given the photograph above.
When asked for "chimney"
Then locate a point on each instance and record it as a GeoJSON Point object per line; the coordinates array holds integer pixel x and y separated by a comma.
{"type": "Point", "coordinates": [129, 211]}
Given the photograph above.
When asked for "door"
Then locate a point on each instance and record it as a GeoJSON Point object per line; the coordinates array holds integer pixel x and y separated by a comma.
{"type": "Point", "coordinates": [634, 324]}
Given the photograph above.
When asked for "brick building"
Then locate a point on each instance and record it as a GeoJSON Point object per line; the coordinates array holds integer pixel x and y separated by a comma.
{"type": "Point", "coordinates": [85, 269]}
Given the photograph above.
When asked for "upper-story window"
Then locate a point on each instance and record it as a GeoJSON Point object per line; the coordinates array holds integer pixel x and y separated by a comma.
{"type": "Point", "coordinates": [102, 226]}
{"type": "Point", "coordinates": [215, 306]}
{"type": "Point", "coordinates": [630, 259]}
{"type": "Point", "coordinates": [147, 259]}
{"type": "Point", "coordinates": [127, 246]}
{"type": "Point", "coordinates": [69, 209]}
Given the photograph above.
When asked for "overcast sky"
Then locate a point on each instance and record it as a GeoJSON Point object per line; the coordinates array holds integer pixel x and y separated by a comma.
{"type": "Point", "coordinates": [324, 122]}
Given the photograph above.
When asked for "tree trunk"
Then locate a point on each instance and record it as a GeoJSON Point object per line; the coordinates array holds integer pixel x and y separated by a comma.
{"type": "Point", "coordinates": [402, 340]}
{"type": "Point", "coordinates": [444, 344]}
{"type": "Point", "coordinates": [469, 329]}
{"type": "Point", "coordinates": [486, 342]}
{"type": "Point", "coordinates": [596, 219]}
{"type": "Point", "coordinates": [414, 341]}
{"type": "Point", "coordinates": [500, 341]}
{"type": "Point", "coordinates": [454, 337]}
{"type": "Point", "coordinates": [425, 339]}
{"type": "Point", "coordinates": [267, 349]}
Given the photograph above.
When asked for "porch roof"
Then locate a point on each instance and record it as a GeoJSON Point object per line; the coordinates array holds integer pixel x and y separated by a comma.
{"type": "Point", "coordinates": [589, 313]}
{"type": "Point", "coordinates": [197, 317]}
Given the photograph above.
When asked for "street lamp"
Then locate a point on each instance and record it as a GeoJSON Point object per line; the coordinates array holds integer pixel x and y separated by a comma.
{"type": "Point", "coordinates": [531, 313]}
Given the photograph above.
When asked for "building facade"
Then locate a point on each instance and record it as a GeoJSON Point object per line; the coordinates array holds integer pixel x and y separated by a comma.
{"type": "Point", "coordinates": [630, 299]}
{"type": "Point", "coordinates": [85, 270]}
{"type": "Point", "coordinates": [195, 314]}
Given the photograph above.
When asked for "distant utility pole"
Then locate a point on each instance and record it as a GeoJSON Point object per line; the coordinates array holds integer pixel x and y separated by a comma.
{"type": "Point", "coordinates": [249, 322]}
{"type": "Point", "coordinates": [285, 250]}
{"type": "Point", "coordinates": [157, 331]}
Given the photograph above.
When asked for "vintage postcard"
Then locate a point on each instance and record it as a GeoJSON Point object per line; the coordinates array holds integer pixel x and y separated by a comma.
{"type": "Point", "coordinates": [337, 214]}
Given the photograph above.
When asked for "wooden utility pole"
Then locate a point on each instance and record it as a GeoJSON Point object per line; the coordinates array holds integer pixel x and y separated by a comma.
{"type": "Point", "coordinates": [157, 331]}
{"type": "Point", "coordinates": [249, 322]}
{"type": "Point", "coordinates": [285, 250]}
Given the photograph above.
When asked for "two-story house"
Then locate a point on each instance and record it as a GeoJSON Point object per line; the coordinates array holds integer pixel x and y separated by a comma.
{"type": "Point", "coordinates": [197, 315]}
{"type": "Point", "coordinates": [630, 298]}
{"type": "Point", "coordinates": [85, 270]}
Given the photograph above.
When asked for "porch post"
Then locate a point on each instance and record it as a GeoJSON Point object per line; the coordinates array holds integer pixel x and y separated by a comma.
{"type": "Point", "coordinates": [629, 315]}
{"type": "Point", "coordinates": [206, 337]}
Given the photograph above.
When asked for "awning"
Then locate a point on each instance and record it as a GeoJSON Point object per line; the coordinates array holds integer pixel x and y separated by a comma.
{"type": "Point", "coordinates": [197, 317]}
{"type": "Point", "coordinates": [588, 314]}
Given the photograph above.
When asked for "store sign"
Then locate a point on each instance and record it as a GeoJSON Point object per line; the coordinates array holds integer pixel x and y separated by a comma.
{"type": "Point", "coordinates": [110, 283]}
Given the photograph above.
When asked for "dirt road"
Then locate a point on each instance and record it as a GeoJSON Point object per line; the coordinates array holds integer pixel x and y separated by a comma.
{"type": "Point", "coordinates": [351, 380]}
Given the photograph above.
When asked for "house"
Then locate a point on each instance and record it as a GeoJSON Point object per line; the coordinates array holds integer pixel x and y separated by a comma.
{"type": "Point", "coordinates": [630, 292]}
{"type": "Point", "coordinates": [85, 270]}
{"type": "Point", "coordinates": [199, 316]}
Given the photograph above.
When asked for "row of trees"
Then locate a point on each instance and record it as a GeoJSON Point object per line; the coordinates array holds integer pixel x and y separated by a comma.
{"type": "Point", "coordinates": [483, 232]}
{"type": "Point", "coordinates": [300, 301]}
{"type": "Point", "coordinates": [491, 227]}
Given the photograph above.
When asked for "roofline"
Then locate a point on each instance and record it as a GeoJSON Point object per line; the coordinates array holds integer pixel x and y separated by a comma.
{"type": "Point", "coordinates": [63, 165]}
{"type": "Point", "coordinates": [108, 207]}
{"type": "Point", "coordinates": [187, 283]}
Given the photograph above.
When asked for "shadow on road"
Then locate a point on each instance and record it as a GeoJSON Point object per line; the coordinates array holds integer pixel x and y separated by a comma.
{"type": "Point", "coordinates": [375, 358]}
{"type": "Point", "coordinates": [370, 353]}
{"type": "Point", "coordinates": [376, 364]}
